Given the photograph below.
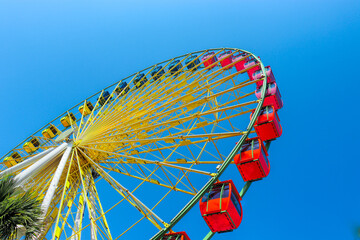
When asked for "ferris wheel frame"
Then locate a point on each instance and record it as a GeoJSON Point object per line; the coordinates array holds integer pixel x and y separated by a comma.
{"type": "Point", "coordinates": [214, 176]}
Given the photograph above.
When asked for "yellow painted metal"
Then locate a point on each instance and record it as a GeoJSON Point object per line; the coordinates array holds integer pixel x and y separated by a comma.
{"type": "Point", "coordinates": [94, 193]}
{"type": "Point", "coordinates": [50, 132]}
{"type": "Point", "coordinates": [32, 145]}
{"type": "Point", "coordinates": [86, 108]}
{"type": "Point", "coordinates": [57, 232]}
{"type": "Point", "coordinates": [126, 194]}
{"type": "Point", "coordinates": [64, 195]}
{"type": "Point", "coordinates": [12, 160]}
{"type": "Point", "coordinates": [79, 213]}
{"type": "Point", "coordinates": [84, 194]}
{"type": "Point", "coordinates": [181, 160]}
{"type": "Point", "coordinates": [68, 120]}
{"type": "Point", "coordinates": [160, 115]}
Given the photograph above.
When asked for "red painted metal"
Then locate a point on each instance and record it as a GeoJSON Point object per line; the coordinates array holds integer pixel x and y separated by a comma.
{"type": "Point", "coordinates": [240, 64]}
{"type": "Point", "coordinates": [252, 162]}
{"type": "Point", "coordinates": [267, 125]}
{"type": "Point", "coordinates": [225, 59]}
{"type": "Point", "coordinates": [258, 74]}
{"type": "Point", "coordinates": [176, 236]}
{"type": "Point", "coordinates": [221, 208]}
{"type": "Point", "coordinates": [252, 67]}
{"type": "Point", "coordinates": [209, 59]}
{"type": "Point", "coordinates": [272, 97]}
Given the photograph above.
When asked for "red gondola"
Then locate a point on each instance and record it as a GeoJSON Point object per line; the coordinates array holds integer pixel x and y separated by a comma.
{"type": "Point", "coordinates": [258, 74]}
{"type": "Point", "coordinates": [225, 59]}
{"type": "Point", "coordinates": [221, 208]}
{"type": "Point", "coordinates": [267, 125]}
{"type": "Point", "coordinates": [272, 97]}
{"type": "Point", "coordinates": [240, 64]}
{"type": "Point", "coordinates": [252, 161]}
{"type": "Point", "coordinates": [176, 236]}
{"type": "Point", "coordinates": [209, 59]}
{"type": "Point", "coordinates": [250, 65]}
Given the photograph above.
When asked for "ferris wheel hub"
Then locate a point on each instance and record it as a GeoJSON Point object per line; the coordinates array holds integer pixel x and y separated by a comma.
{"type": "Point", "coordinates": [64, 136]}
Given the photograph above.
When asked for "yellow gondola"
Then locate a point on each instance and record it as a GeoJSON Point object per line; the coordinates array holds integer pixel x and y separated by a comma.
{"type": "Point", "coordinates": [67, 121]}
{"type": "Point", "coordinates": [12, 160]}
{"type": "Point", "coordinates": [50, 132]}
{"type": "Point", "coordinates": [86, 109]}
{"type": "Point", "coordinates": [122, 89]}
{"type": "Point", "coordinates": [32, 145]}
{"type": "Point", "coordinates": [105, 97]}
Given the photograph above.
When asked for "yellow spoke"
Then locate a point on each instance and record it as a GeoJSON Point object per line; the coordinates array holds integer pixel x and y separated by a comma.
{"type": "Point", "coordinates": [147, 161]}
{"type": "Point", "coordinates": [153, 218]}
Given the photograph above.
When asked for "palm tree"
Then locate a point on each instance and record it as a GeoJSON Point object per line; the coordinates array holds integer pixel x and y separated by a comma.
{"type": "Point", "coordinates": [18, 209]}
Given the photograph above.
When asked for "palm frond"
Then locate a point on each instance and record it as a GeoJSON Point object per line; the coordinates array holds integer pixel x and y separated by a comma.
{"type": "Point", "coordinates": [18, 208]}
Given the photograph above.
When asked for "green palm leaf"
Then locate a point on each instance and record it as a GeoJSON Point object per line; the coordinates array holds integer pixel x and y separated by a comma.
{"type": "Point", "coordinates": [18, 208]}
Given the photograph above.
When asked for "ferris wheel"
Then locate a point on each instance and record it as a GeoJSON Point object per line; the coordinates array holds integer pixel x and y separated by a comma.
{"type": "Point", "coordinates": [135, 157]}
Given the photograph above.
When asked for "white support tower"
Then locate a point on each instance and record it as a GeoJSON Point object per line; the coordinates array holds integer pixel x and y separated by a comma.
{"type": "Point", "coordinates": [55, 181]}
{"type": "Point", "coordinates": [39, 165]}
{"type": "Point", "coordinates": [25, 163]}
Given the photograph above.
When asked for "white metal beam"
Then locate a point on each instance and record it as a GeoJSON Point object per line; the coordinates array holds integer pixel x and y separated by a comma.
{"type": "Point", "coordinates": [39, 165]}
{"type": "Point", "coordinates": [25, 163]}
{"type": "Point", "coordinates": [55, 181]}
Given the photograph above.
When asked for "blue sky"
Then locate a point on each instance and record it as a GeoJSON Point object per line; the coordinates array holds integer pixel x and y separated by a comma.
{"type": "Point", "coordinates": [55, 54]}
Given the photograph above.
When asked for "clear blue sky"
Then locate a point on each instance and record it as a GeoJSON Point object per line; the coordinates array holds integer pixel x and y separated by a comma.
{"type": "Point", "coordinates": [55, 54]}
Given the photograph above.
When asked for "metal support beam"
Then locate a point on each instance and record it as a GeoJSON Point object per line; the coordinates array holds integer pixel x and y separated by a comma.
{"type": "Point", "coordinates": [209, 235]}
{"type": "Point", "coordinates": [39, 165]}
{"type": "Point", "coordinates": [141, 207]}
{"type": "Point", "coordinates": [76, 235]}
{"type": "Point", "coordinates": [55, 181]}
{"type": "Point", "coordinates": [25, 163]}
{"type": "Point", "coordinates": [93, 216]}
